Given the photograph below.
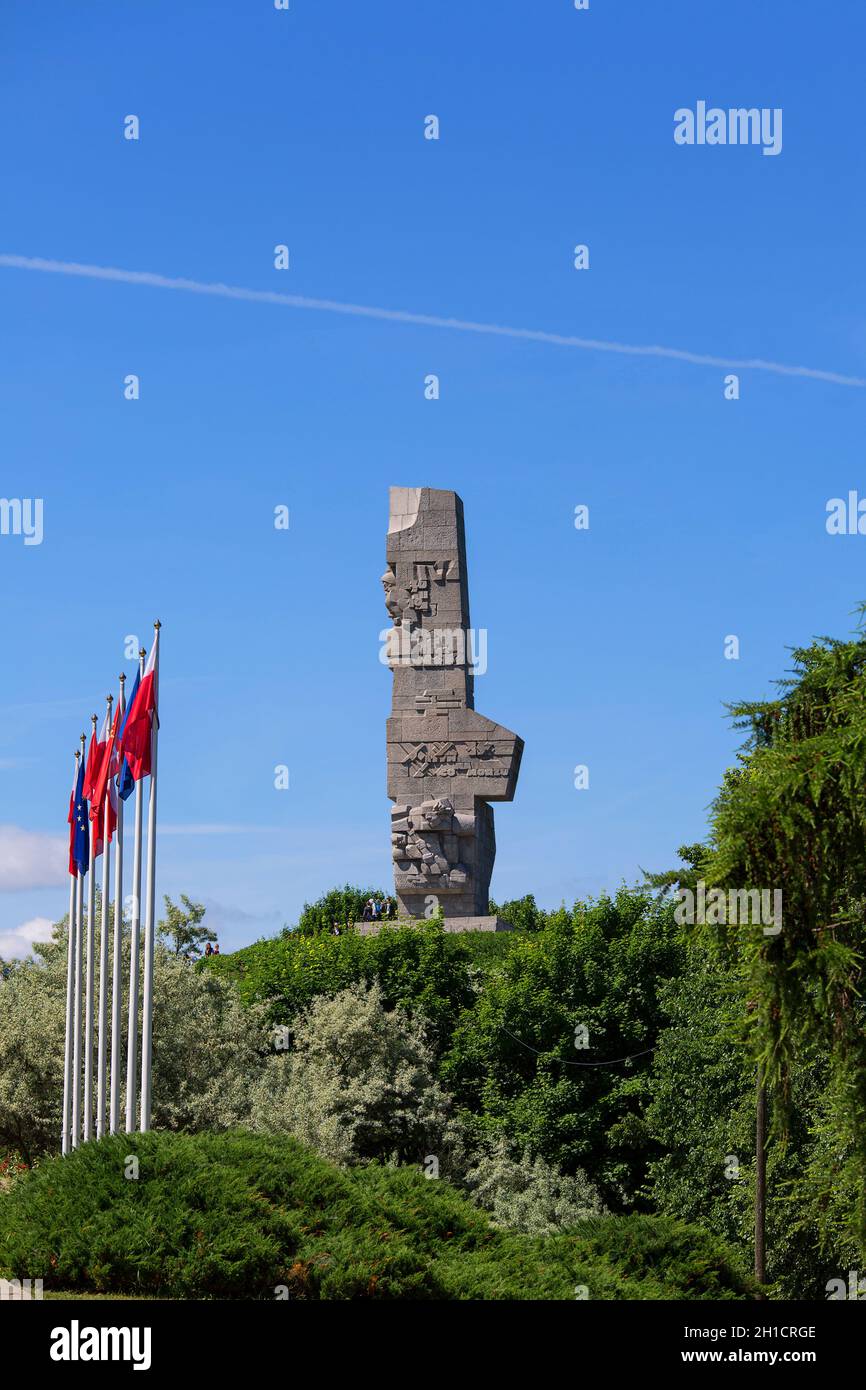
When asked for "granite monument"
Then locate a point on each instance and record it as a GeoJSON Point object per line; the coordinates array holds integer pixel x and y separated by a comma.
{"type": "Point", "coordinates": [446, 762]}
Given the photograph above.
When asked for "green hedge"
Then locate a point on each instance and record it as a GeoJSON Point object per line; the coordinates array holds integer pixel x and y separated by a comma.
{"type": "Point", "coordinates": [237, 1215]}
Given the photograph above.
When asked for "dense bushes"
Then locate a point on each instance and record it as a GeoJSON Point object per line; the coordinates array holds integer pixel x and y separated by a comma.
{"type": "Point", "coordinates": [359, 1083]}
{"type": "Point", "coordinates": [502, 1012]}
{"type": "Point", "coordinates": [207, 1048]}
{"type": "Point", "coordinates": [255, 1217]}
{"type": "Point", "coordinates": [420, 967]}
{"type": "Point", "coordinates": [584, 990]}
{"type": "Point", "coordinates": [340, 906]}
{"type": "Point", "coordinates": [470, 1050]}
{"type": "Point", "coordinates": [702, 1117]}
{"type": "Point", "coordinates": [523, 913]}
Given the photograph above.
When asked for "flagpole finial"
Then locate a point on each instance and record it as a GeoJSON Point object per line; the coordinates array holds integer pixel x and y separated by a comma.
{"type": "Point", "coordinates": [94, 719]}
{"type": "Point", "coordinates": [142, 651]}
{"type": "Point", "coordinates": [77, 754]}
{"type": "Point", "coordinates": [83, 739]}
{"type": "Point", "coordinates": [109, 700]}
{"type": "Point", "coordinates": [123, 678]}
{"type": "Point", "coordinates": [157, 625]}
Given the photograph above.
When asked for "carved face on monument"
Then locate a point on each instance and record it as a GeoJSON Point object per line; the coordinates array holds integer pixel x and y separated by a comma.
{"type": "Point", "coordinates": [389, 583]}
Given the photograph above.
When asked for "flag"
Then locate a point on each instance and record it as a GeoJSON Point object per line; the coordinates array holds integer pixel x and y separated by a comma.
{"type": "Point", "coordinates": [93, 783]}
{"type": "Point", "coordinates": [126, 781]}
{"type": "Point", "coordinates": [138, 724]}
{"type": "Point", "coordinates": [70, 820]}
{"type": "Point", "coordinates": [92, 767]}
{"type": "Point", "coordinates": [112, 784]}
{"type": "Point", "coordinates": [81, 842]}
{"type": "Point", "coordinates": [101, 787]}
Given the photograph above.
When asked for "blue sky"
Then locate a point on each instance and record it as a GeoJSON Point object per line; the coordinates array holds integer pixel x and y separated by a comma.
{"type": "Point", "coordinates": [707, 516]}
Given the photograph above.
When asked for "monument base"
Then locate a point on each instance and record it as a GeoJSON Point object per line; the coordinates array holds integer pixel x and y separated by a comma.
{"type": "Point", "coordinates": [450, 924]}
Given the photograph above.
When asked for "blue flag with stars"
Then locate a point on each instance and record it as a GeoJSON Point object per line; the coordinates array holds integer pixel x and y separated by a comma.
{"type": "Point", "coordinates": [125, 780]}
{"type": "Point", "coordinates": [81, 820]}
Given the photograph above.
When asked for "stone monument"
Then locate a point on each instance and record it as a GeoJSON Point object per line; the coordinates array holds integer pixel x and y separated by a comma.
{"type": "Point", "coordinates": [446, 762]}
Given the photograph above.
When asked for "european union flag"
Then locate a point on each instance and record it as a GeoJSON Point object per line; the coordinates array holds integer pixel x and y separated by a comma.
{"type": "Point", "coordinates": [125, 780]}
{"type": "Point", "coordinates": [81, 821]}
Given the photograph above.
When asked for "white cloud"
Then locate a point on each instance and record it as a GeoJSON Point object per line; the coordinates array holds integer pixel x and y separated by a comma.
{"type": "Point", "coordinates": [17, 943]}
{"type": "Point", "coordinates": [31, 860]}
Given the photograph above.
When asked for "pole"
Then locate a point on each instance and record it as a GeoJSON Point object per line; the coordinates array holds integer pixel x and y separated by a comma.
{"type": "Point", "coordinates": [76, 1042]}
{"type": "Point", "coordinates": [761, 1181]}
{"type": "Point", "coordinates": [114, 1117]}
{"type": "Point", "coordinates": [70, 994]}
{"type": "Point", "coordinates": [147, 1013]}
{"type": "Point", "coordinates": [102, 1050]}
{"type": "Point", "coordinates": [135, 951]}
{"type": "Point", "coordinates": [91, 949]}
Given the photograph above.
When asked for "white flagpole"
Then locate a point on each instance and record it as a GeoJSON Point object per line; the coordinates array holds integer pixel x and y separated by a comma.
{"type": "Point", "coordinates": [114, 1118]}
{"type": "Point", "coordinates": [70, 993]}
{"type": "Point", "coordinates": [102, 1044]}
{"type": "Point", "coordinates": [76, 1041]}
{"type": "Point", "coordinates": [135, 950]}
{"type": "Point", "coordinates": [147, 1012]}
{"type": "Point", "coordinates": [88, 1006]}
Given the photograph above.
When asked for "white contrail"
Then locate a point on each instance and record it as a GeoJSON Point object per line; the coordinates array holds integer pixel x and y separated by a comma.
{"type": "Point", "coordinates": [333, 306]}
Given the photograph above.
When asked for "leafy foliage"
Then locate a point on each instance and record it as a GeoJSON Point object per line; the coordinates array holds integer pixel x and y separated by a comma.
{"type": "Point", "coordinates": [207, 1048]}
{"type": "Point", "coordinates": [420, 967]}
{"type": "Point", "coordinates": [515, 1061]}
{"type": "Point", "coordinates": [792, 816]}
{"type": "Point", "coordinates": [340, 906]}
{"type": "Point", "coordinates": [360, 1083]}
{"type": "Point", "coordinates": [182, 927]}
{"type": "Point", "coordinates": [702, 1117]}
{"type": "Point", "coordinates": [526, 1194]}
{"type": "Point", "coordinates": [522, 913]}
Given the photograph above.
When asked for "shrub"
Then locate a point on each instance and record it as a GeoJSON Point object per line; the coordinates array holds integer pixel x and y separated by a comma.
{"type": "Point", "coordinates": [526, 1194]}
{"type": "Point", "coordinates": [359, 1084]}
{"type": "Point", "coordinates": [523, 913]}
{"type": "Point", "coordinates": [341, 905]}
{"type": "Point", "coordinates": [420, 967]}
{"type": "Point", "coordinates": [516, 1061]}
{"type": "Point", "coordinates": [239, 1215]}
{"type": "Point", "coordinates": [207, 1049]}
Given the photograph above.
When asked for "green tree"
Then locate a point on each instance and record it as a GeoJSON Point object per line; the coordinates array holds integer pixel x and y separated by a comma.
{"type": "Point", "coordinates": [702, 1117]}
{"type": "Point", "coordinates": [792, 817]}
{"type": "Point", "coordinates": [359, 1084]}
{"type": "Point", "coordinates": [557, 1050]}
{"type": "Point", "coordinates": [208, 1050]}
{"type": "Point", "coordinates": [522, 913]}
{"type": "Point", "coordinates": [340, 906]}
{"type": "Point", "coordinates": [420, 967]}
{"type": "Point", "coordinates": [182, 927]}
